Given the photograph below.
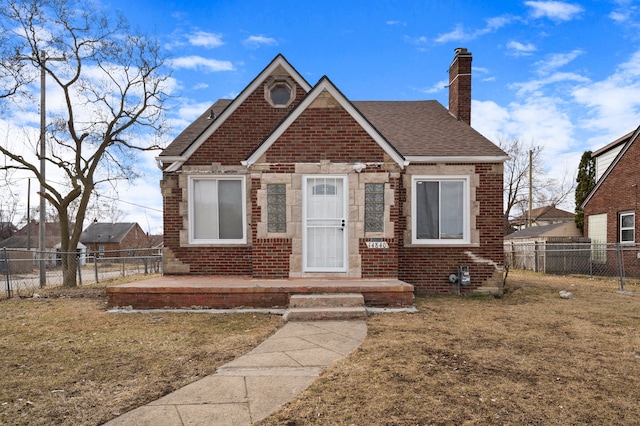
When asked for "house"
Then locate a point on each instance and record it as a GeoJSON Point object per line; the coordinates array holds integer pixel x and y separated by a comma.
{"type": "Point", "coordinates": [555, 248]}
{"type": "Point", "coordinates": [7, 229]}
{"type": "Point", "coordinates": [25, 242]}
{"type": "Point", "coordinates": [610, 208]}
{"type": "Point", "coordinates": [294, 181]}
{"type": "Point", "coordinates": [541, 216]}
{"type": "Point", "coordinates": [115, 239]}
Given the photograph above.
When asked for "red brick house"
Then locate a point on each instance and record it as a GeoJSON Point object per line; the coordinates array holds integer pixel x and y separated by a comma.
{"type": "Point", "coordinates": [115, 239]}
{"type": "Point", "coordinates": [610, 209]}
{"type": "Point", "coordinates": [293, 181]}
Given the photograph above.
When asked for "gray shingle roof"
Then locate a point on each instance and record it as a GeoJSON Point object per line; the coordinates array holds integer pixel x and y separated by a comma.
{"type": "Point", "coordinates": [414, 128]}
{"type": "Point", "coordinates": [195, 129]}
{"type": "Point", "coordinates": [425, 128]}
{"type": "Point", "coordinates": [105, 232]}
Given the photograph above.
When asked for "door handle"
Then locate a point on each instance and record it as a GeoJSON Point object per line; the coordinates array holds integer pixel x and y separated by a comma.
{"type": "Point", "coordinates": [343, 224]}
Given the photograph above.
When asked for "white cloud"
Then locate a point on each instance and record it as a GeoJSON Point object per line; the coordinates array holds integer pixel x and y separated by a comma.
{"type": "Point", "coordinates": [620, 17]}
{"type": "Point", "coordinates": [532, 86]}
{"type": "Point", "coordinates": [613, 104]}
{"type": "Point", "coordinates": [205, 39]}
{"type": "Point", "coordinates": [199, 62]}
{"type": "Point", "coordinates": [256, 41]}
{"type": "Point", "coordinates": [556, 60]}
{"type": "Point", "coordinates": [416, 40]}
{"type": "Point", "coordinates": [439, 86]}
{"type": "Point", "coordinates": [457, 34]}
{"type": "Point", "coordinates": [394, 22]}
{"type": "Point", "coordinates": [555, 10]}
{"type": "Point", "coordinates": [460, 34]}
{"type": "Point", "coordinates": [521, 49]}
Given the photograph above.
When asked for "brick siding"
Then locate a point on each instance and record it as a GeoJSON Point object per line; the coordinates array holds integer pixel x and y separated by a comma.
{"type": "Point", "coordinates": [619, 193]}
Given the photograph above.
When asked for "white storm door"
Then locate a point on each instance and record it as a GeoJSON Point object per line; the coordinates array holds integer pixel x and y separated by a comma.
{"type": "Point", "coordinates": [325, 223]}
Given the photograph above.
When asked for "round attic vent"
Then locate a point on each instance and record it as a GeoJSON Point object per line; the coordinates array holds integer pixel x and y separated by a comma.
{"type": "Point", "coordinates": [280, 92]}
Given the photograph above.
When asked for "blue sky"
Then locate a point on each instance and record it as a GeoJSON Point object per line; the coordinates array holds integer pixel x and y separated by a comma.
{"type": "Point", "coordinates": [561, 75]}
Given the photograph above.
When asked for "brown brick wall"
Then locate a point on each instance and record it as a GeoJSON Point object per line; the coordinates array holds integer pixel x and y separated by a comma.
{"type": "Point", "coordinates": [383, 263]}
{"type": "Point", "coordinates": [235, 260]}
{"type": "Point", "coordinates": [270, 257]}
{"type": "Point", "coordinates": [428, 268]}
{"type": "Point", "coordinates": [619, 193]}
{"type": "Point", "coordinates": [243, 131]}
{"type": "Point", "coordinates": [324, 134]}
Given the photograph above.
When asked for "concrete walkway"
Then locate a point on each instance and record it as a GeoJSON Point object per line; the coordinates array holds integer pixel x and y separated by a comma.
{"type": "Point", "coordinates": [253, 386]}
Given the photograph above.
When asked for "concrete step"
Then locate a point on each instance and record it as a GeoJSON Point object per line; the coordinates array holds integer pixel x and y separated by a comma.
{"type": "Point", "coordinates": [325, 306]}
{"type": "Point", "coordinates": [326, 300]}
{"type": "Point", "coordinates": [325, 313]}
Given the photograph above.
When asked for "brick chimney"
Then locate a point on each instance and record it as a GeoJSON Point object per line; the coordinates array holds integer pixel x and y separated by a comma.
{"type": "Point", "coordinates": [460, 85]}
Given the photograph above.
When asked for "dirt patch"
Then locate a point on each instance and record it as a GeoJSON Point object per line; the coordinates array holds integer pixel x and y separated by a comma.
{"type": "Point", "coordinates": [67, 361]}
{"type": "Point", "coordinates": [530, 357]}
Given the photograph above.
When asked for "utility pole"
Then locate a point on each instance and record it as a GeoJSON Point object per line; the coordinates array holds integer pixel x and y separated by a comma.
{"type": "Point", "coordinates": [530, 187]}
{"type": "Point", "coordinates": [42, 237]}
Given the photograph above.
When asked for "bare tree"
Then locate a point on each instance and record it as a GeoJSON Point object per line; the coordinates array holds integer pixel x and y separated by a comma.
{"type": "Point", "coordinates": [545, 191]}
{"type": "Point", "coordinates": [113, 84]}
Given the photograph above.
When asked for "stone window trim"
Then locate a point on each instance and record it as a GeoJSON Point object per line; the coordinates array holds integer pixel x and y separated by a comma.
{"type": "Point", "coordinates": [193, 239]}
{"type": "Point", "coordinates": [626, 225]}
{"type": "Point", "coordinates": [273, 88]}
{"type": "Point", "coordinates": [276, 208]}
{"type": "Point", "coordinates": [466, 238]}
{"type": "Point", "coordinates": [374, 207]}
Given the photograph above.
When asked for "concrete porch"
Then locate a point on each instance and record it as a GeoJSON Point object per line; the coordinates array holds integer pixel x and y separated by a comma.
{"type": "Point", "coordinates": [223, 292]}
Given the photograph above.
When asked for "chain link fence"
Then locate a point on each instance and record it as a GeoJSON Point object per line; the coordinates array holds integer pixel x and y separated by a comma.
{"type": "Point", "coordinates": [616, 261]}
{"type": "Point", "coordinates": [20, 269]}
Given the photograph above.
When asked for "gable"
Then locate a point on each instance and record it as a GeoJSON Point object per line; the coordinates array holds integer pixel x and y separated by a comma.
{"type": "Point", "coordinates": [621, 177]}
{"type": "Point", "coordinates": [327, 122]}
{"type": "Point", "coordinates": [324, 131]}
{"type": "Point", "coordinates": [232, 129]}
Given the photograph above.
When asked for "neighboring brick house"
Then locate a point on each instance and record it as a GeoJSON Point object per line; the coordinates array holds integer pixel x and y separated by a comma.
{"type": "Point", "coordinates": [290, 180]}
{"type": "Point", "coordinates": [7, 229]}
{"type": "Point", "coordinates": [115, 239]}
{"type": "Point", "coordinates": [610, 210]}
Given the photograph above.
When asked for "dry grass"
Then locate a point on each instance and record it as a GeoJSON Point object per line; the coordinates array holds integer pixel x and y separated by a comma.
{"type": "Point", "coordinates": [528, 358]}
{"type": "Point", "coordinates": [66, 361]}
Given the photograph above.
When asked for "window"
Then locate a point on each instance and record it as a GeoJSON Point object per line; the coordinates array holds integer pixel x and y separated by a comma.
{"type": "Point", "coordinates": [598, 235]}
{"type": "Point", "coordinates": [280, 92]}
{"type": "Point", "coordinates": [440, 210]}
{"type": "Point", "coordinates": [374, 207]}
{"type": "Point", "coordinates": [627, 227]}
{"type": "Point", "coordinates": [324, 189]}
{"type": "Point", "coordinates": [216, 210]}
{"type": "Point", "coordinates": [276, 207]}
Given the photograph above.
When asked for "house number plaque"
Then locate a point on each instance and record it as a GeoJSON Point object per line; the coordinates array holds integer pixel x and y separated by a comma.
{"type": "Point", "coordinates": [377, 244]}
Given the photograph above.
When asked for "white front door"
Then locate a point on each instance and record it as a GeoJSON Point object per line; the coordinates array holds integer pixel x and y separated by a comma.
{"type": "Point", "coordinates": [325, 223]}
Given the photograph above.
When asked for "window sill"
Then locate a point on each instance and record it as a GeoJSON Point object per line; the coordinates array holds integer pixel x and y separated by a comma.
{"type": "Point", "coordinates": [212, 244]}
{"type": "Point", "coordinates": [435, 245]}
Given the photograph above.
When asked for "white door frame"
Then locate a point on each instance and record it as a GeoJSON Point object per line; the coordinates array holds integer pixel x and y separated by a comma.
{"type": "Point", "coordinates": [335, 228]}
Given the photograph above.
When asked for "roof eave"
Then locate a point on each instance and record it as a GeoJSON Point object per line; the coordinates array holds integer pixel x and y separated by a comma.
{"type": "Point", "coordinates": [175, 162]}
{"type": "Point", "coordinates": [456, 159]}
